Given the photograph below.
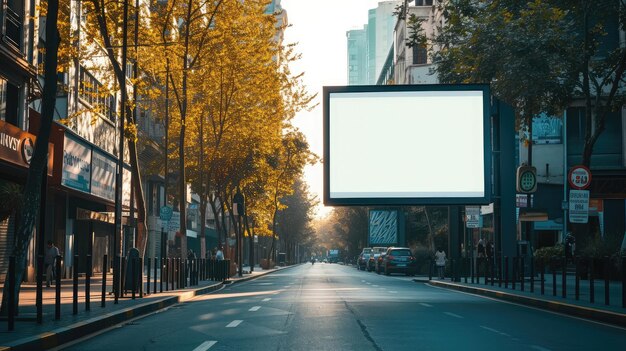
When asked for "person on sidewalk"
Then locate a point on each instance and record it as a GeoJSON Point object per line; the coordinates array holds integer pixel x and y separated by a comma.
{"type": "Point", "coordinates": [49, 260]}
{"type": "Point", "coordinates": [440, 262]}
{"type": "Point", "coordinates": [219, 255]}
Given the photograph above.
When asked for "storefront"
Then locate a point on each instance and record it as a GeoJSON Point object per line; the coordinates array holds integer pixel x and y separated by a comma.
{"type": "Point", "coordinates": [16, 150]}
{"type": "Point", "coordinates": [85, 201]}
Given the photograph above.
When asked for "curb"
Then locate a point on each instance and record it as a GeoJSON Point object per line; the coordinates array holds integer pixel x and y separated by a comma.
{"type": "Point", "coordinates": [63, 335]}
{"type": "Point", "coordinates": [614, 318]}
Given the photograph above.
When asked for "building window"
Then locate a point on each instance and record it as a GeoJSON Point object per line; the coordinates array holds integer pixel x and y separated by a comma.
{"type": "Point", "coordinates": [95, 94]}
{"type": "Point", "coordinates": [9, 94]}
{"type": "Point", "coordinates": [420, 55]}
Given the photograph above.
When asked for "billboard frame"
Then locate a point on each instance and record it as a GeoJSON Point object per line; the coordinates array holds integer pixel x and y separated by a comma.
{"type": "Point", "coordinates": [395, 201]}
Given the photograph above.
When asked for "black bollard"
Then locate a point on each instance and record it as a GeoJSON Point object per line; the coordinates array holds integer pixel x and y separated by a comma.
{"type": "Point", "coordinates": [499, 271]}
{"type": "Point", "coordinates": [577, 286]}
{"type": "Point", "coordinates": [156, 263]}
{"type": "Point", "coordinates": [140, 271]}
{"type": "Point", "coordinates": [148, 276]}
{"type": "Point", "coordinates": [75, 286]}
{"type": "Point", "coordinates": [623, 281]}
{"type": "Point", "coordinates": [532, 274]}
{"type": "Point", "coordinates": [133, 276]}
{"type": "Point", "coordinates": [88, 285]}
{"type": "Point", "coordinates": [11, 302]}
{"type": "Point", "coordinates": [553, 268]}
{"type": "Point", "coordinates": [542, 264]}
{"type": "Point", "coordinates": [592, 290]}
{"type": "Point", "coordinates": [116, 279]}
{"type": "Point", "coordinates": [39, 298]}
{"type": "Point", "coordinates": [105, 263]}
{"type": "Point", "coordinates": [492, 267]}
{"type": "Point", "coordinates": [514, 272]}
{"type": "Point", "coordinates": [607, 273]}
{"type": "Point", "coordinates": [465, 270]}
{"type": "Point", "coordinates": [123, 276]}
{"type": "Point", "coordinates": [57, 300]}
{"type": "Point", "coordinates": [522, 267]}
{"type": "Point", "coordinates": [564, 277]}
{"type": "Point", "coordinates": [430, 269]}
{"type": "Point", "coordinates": [506, 272]}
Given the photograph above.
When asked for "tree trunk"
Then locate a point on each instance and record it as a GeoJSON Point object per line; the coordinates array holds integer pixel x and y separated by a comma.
{"type": "Point", "coordinates": [36, 171]}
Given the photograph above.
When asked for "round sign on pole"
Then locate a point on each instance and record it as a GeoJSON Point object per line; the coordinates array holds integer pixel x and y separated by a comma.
{"type": "Point", "coordinates": [166, 213]}
{"type": "Point", "coordinates": [579, 177]}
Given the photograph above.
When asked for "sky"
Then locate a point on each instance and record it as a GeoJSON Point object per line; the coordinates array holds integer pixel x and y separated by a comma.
{"type": "Point", "coordinates": [319, 27]}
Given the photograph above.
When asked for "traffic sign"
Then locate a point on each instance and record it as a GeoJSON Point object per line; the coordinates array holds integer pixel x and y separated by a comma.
{"type": "Point", "coordinates": [166, 213]}
{"type": "Point", "coordinates": [472, 216]}
{"type": "Point", "coordinates": [579, 206]}
{"type": "Point", "coordinates": [579, 177]}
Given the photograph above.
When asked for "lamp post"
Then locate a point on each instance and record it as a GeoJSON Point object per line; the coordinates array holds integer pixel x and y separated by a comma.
{"type": "Point", "coordinates": [239, 210]}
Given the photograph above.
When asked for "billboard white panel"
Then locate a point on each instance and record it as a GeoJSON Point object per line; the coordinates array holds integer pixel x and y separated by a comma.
{"type": "Point", "coordinates": [406, 145]}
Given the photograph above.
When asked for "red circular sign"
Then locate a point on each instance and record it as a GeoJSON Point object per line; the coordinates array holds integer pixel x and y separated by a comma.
{"type": "Point", "coordinates": [579, 177]}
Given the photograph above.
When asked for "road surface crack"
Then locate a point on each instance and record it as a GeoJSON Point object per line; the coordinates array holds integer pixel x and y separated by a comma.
{"type": "Point", "coordinates": [363, 327]}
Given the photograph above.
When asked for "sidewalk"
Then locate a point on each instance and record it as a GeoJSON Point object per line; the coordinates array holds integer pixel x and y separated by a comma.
{"type": "Point", "coordinates": [612, 313]}
{"type": "Point", "coordinates": [28, 335]}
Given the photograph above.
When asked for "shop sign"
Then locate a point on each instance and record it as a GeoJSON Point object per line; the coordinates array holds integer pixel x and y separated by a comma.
{"type": "Point", "coordinates": [76, 164]}
{"type": "Point", "coordinates": [103, 175]}
{"type": "Point", "coordinates": [126, 187]}
{"type": "Point", "coordinates": [18, 146]}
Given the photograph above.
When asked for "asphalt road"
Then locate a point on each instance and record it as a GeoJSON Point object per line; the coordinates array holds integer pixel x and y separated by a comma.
{"type": "Point", "coordinates": [334, 307]}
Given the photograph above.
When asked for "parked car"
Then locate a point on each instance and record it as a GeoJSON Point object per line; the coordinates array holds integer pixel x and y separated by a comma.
{"type": "Point", "coordinates": [399, 260]}
{"type": "Point", "coordinates": [376, 251]}
{"type": "Point", "coordinates": [363, 258]}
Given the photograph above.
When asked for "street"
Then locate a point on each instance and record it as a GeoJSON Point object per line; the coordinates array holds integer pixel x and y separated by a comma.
{"type": "Point", "coordinates": [336, 307]}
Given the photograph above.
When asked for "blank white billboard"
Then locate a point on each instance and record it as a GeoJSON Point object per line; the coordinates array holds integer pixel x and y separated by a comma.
{"type": "Point", "coordinates": [406, 145]}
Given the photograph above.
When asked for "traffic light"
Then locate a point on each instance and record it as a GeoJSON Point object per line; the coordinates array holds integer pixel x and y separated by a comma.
{"type": "Point", "coordinates": [526, 179]}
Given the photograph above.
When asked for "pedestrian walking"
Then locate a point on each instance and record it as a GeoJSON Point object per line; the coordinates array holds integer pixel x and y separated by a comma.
{"type": "Point", "coordinates": [219, 255]}
{"type": "Point", "coordinates": [52, 252]}
{"type": "Point", "coordinates": [440, 262]}
{"type": "Point", "coordinates": [481, 248]}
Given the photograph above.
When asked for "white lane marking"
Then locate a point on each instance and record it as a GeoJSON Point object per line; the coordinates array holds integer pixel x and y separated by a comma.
{"type": "Point", "coordinates": [287, 286]}
{"type": "Point", "coordinates": [539, 348]}
{"type": "Point", "coordinates": [453, 314]}
{"type": "Point", "coordinates": [375, 285]}
{"type": "Point", "coordinates": [490, 329]}
{"type": "Point", "coordinates": [362, 281]}
{"type": "Point", "coordinates": [205, 345]}
{"type": "Point", "coordinates": [234, 323]}
{"type": "Point", "coordinates": [265, 284]}
{"type": "Point", "coordinates": [425, 304]}
{"type": "Point", "coordinates": [254, 309]}
{"type": "Point", "coordinates": [495, 331]}
{"type": "Point", "coordinates": [368, 283]}
{"type": "Point", "coordinates": [393, 292]}
{"type": "Point", "coordinates": [267, 299]}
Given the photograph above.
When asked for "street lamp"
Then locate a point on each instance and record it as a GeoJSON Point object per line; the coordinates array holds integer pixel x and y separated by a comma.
{"type": "Point", "coordinates": [239, 210]}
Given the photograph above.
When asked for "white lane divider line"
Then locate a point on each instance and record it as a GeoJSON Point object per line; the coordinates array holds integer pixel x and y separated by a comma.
{"type": "Point", "coordinates": [375, 285]}
{"type": "Point", "coordinates": [267, 299]}
{"type": "Point", "coordinates": [362, 281]}
{"type": "Point", "coordinates": [495, 331]}
{"type": "Point", "coordinates": [234, 323]}
{"type": "Point", "coordinates": [287, 286]}
{"type": "Point", "coordinates": [425, 304]}
{"type": "Point", "coordinates": [254, 309]}
{"type": "Point", "coordinates": [453, 315]}
{"type": "Point", "coordinates": [539, 348]}
{"type": "Point", "coordinates": [393, 292]}
{"type": "Point", "coordinates": [205, 345]}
